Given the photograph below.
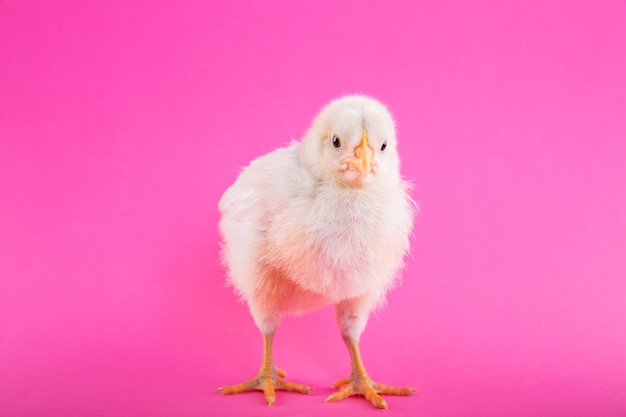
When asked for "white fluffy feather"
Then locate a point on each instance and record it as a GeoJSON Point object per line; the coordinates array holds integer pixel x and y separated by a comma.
{"type": "Point", "coordinates": [300, 231]}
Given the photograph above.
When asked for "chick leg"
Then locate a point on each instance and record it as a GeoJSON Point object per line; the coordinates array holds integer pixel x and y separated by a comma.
{"type": "Point", "coordinates": [269, 378]}
{"type": "Point", "coordinates": [351, 317]}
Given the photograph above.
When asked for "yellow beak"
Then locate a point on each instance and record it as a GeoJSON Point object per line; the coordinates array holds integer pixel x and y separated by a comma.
{"type": "Point", "coordinates": [362, 160]}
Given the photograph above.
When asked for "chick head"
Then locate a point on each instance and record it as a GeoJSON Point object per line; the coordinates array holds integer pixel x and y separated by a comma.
{"type": "Point", "coordinates": [353, 141]}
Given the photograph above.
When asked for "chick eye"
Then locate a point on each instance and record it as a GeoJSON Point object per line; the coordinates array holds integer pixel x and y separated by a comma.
{"type": "Point", "coordinates": [336, 142]}
{"type": "Point", "coordinates": [382, 148]}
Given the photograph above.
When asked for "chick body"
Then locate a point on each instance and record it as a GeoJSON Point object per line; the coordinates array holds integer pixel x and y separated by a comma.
{"type": "Point", "coordinates": [302, 229]}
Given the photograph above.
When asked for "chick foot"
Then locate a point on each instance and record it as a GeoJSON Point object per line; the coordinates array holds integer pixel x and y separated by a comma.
{"type": "Point", "coordinates": [363, 385]}
{"type": "Point", "coordinates": [268, 382]}
{"type": "Point", "coordinates": [359, 382]}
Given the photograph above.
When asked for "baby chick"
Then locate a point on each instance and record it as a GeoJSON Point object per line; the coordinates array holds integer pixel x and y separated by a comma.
{"type": "Point", "coordinates": [321, 221]}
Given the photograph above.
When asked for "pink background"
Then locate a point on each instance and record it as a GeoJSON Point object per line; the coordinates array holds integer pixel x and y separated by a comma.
{"type": "Point", "coordinates": [121, 123]}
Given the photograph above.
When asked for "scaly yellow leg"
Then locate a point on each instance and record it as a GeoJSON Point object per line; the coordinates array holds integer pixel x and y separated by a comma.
{"type": "Point", "coordinates": [359, 382]}
{"type": "Point", "coordinates": [269, 378]}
